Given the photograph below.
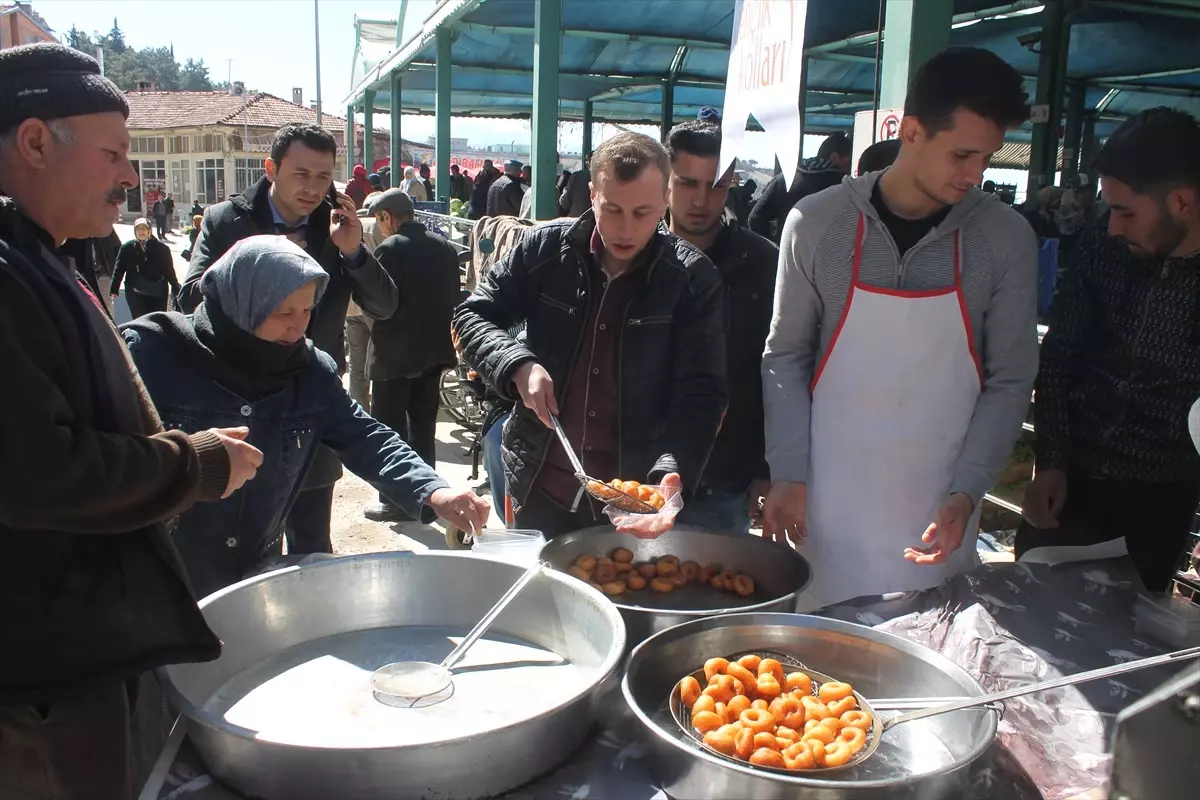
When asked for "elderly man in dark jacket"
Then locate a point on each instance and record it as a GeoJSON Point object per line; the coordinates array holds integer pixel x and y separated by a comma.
{"type": "Point", "coordinates": [625, 342]}
{"type": "Point", "coordinates": [410, 350]}
{"type": "Point", "coordinates": [505, 195]}
{"type": "Point", "coordinates": [93, 587]}
{"type": "Point", "coordinates": [296, 199]}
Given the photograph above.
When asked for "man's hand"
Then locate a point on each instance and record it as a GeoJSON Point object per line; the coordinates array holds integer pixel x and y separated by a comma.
{"type": "Point", "coordinates": [345, 230]}
{"type": "Point", "coordinates": [460, 508]}
{"type": "Point", "coordinates": [1044, 498]}
{"type": "Point", "coordinates": [244, 458]}
{"type": "Point", "coordinates": [759, 489]}
{"type": "Point", "coordinates": [536, 388]}
{"type": "Point", "coordinates": [945, 534]}
{"type": "Point", "coordinates": [784, 513]}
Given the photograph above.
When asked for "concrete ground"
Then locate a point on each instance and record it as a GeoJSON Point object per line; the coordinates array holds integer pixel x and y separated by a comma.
{"type": "Point", "coordinates": [351, 531]}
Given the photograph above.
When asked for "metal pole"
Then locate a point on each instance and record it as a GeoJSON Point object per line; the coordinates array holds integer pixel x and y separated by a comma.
{"type": "Point", "coordinates": [1074, 133]}
{"type": "Point", "coordinates": [350, 131]}
{"type": "Point", "coordinates": [442, 141]}
{"type": "Point", "coordinates": [1043, 150]}
{"type": "Point", "coordinates": [588, 121]}
{"type": "Point", "coordinates": [668, 107]}
{"type": "Point", "coordinates": [547, 38]}
{"type": "Point", "coordinates": [396, 154]}
{"type": "Point", "coordinates": [317, 46]}
{"type": "Point", "coordinates": [369, 130]}
{"type": "Point", "coordinates": [878, 68]}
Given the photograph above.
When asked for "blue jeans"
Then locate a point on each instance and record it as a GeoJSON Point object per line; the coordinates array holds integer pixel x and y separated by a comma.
{"type": "Point", "coordinates": [494, 464]}
{"type": "Point", "coordinates": [718, 511]}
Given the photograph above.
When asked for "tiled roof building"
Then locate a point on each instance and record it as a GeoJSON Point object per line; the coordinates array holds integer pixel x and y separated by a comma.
{"type": "Point", "coordinates": [208, 146]}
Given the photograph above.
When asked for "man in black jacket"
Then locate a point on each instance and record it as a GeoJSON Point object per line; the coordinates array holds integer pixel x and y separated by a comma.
{"type": "Point", "coordinates": [409, 351]}
{"type": "Point", "coordinates": [484, 179]}
{"type": "Point", "coordinates": [1120, 365]}
{"type": "Point", "coordinates": [625, 342]}
{"type": "Point", "coordinates": [505, 194]}
{"type": "Point", "coordinates": [296, 199]}
{"type": "Point", "coordinates": [94, 590]}
{"type": "Point", "coordinates": [737, 477]}
{"type": "Point", "coordinates": [813, 175]}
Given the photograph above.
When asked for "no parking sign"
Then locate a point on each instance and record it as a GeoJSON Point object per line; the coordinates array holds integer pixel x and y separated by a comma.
{"type": "Point", "coordinates": [875, 126]}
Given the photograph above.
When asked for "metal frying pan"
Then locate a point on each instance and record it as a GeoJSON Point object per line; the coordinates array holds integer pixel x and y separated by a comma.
{"type": "Point", "coordinates": [683, 718]}
{"type": "Point", "coordinates": [599, 489]}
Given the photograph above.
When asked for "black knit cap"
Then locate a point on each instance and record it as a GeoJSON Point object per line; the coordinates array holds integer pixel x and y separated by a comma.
{"type": "Point", "coordinates": [52, 81]}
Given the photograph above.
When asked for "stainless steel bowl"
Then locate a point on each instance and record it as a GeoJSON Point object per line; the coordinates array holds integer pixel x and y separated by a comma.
{"type": "Point", "coordinates": [780, 574]}
{"type": "Point", "coordinates": [287, 712]}
{"type": "Point", "coordinates": [928, 762]}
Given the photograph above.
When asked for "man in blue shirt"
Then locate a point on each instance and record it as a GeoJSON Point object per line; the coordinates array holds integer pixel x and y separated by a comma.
{"type": "Point", "coordinates": [296, 199]}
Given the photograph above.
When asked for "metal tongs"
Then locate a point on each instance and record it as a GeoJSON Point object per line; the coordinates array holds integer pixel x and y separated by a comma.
{"type": "Point", "coordinates": [599, 489]}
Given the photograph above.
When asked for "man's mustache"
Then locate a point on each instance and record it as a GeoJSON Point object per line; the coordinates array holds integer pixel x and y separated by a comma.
{"type": "Point", "coordinates": [118, 195]}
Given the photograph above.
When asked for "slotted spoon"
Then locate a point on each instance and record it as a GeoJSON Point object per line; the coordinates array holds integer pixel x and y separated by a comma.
{"type": "Point", "coordinates": [599, 489]}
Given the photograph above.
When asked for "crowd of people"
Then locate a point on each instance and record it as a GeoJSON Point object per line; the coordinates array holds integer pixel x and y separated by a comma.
{"type": "Point", "coordinates": [856, 388]}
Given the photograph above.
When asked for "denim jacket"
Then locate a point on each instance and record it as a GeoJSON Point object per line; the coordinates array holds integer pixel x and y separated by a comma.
{"type": "Point", "coordinates": [220, 542]}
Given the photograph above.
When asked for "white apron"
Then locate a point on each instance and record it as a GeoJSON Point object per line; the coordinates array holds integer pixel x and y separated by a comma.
{"type": "Point", "coordinates": [891, 402]}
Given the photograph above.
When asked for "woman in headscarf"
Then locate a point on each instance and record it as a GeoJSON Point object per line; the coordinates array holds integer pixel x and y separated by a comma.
{"type": "Point", "coordinates": [412, 185]}
{"type": "Point", "coordinates": [242, 359]}
{"type": "Point", "coordinates": [147, 267]}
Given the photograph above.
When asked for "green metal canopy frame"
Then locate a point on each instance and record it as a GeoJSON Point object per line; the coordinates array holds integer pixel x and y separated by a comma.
{"type": "Point", "coordinates": [1090, 63]}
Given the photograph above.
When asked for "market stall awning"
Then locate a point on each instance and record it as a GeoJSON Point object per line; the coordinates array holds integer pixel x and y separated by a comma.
{"type": "Point", "coordinates": [1131, 56]}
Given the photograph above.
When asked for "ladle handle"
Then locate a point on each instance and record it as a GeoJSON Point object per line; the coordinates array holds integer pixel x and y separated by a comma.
{"type": "Point", "coordinates": [482, 626]}
{"type": "Point", "coordinates": [576, 464]}
{"type": "Point", "coordinates": [1033, 688]}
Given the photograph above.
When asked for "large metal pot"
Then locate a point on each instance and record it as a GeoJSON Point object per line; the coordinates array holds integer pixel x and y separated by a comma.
{"type": "Point", "coordinates": [287, 712]}
{"type": "Point", "coordinates": [924, 760]}
{"type": "Point", "coordinates": [780, 574]}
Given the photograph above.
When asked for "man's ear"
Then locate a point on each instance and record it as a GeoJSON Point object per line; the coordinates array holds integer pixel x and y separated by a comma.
{"type": "Point", "coordinates": [1183, 202]}
{"type": "Point", "coordinates": [33, 139]}
{"type": "Point", "coordinates": [270, 168]}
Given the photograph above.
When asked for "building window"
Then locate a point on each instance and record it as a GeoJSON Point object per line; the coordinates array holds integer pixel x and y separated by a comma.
{"type": "Point", "coordinates": [210, 180]}
{"type": "Point", "coordinates": [179, 144]}
{"type": "Point", "coordinates": [245, 172]}
{"type": "Point", "coordinates": [147, 144]}
{"type": "Point", "coordinates": [208, 143]}
{"type": "Point", "coordinates": [181, 182]}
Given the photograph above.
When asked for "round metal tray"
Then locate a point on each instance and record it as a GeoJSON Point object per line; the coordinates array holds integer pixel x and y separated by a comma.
{"type": "Point", "coordinates": [287, 712]}
{"type": "Point", "coordinates": [930, 761]}
{"type": "Point", "coordinates": [780, 574]}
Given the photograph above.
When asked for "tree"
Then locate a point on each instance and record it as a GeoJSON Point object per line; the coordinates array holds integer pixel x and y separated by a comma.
{"type": "Point", "coordinates": [116, 39]}
{"type": "Point", "coordinates": [194, 77]}
{"type": "Point", "coordinates": [80, 41]}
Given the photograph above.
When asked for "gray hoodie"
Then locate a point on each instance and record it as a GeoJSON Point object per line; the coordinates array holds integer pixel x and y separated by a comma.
{"type": "Point", "coordinates": [999, 268]}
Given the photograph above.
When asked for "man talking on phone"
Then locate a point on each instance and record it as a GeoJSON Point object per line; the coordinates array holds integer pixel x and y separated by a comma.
{"type": "Point", "coordinates": [296, 199]}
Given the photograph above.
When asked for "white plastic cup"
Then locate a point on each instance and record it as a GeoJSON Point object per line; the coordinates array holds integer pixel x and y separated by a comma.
{"type": "Point", "coordinates": [522, 547]}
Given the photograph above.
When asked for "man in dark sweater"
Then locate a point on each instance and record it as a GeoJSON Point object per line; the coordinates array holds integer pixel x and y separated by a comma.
{"type": "Point", "coordinates": [1121, 362]}
{"type": "Point", "coordinates": [296, 199]}
{"type": "Point", "coordinates": [94, 587]}
{"type": "Point", "coordinates": [813, 175]}
{"type": "Point", "coordinates": [737, 477]}
{"type": "Point", "coordinates": [409, 351]}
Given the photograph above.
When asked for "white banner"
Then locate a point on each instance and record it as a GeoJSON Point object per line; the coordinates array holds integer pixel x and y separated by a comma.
{"type": "Point", "coordinates": [765, 78]}
{"type": "Point", "coordinates": [871, 127]}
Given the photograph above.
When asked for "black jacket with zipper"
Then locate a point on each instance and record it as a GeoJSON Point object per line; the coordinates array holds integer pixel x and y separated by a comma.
{"type": "Point", "coordinates": [747, 263]}
{"type": "Point", "coordinates": [671, 357]}
{"type": "Point", "coordinates": [249, 214]}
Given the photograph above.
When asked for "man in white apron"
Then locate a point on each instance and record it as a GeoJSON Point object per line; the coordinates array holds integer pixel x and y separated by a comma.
{"type": "Point", "coordinates": [903, 346]}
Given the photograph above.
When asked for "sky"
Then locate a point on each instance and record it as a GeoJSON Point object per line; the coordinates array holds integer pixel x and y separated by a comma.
{"type": "Point", "coordinates": [229, 36]}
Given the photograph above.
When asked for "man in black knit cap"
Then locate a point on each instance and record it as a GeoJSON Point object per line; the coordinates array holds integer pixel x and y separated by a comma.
{"type": "Point", "coordinates": [93, 591]}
